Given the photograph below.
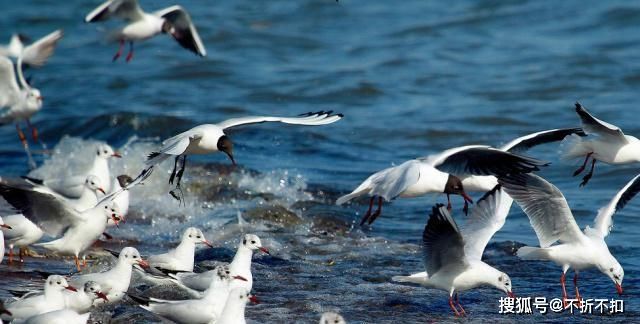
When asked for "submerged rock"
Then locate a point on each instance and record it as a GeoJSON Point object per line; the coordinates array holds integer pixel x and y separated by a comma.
{"type": "Point", "coordinates": [273, 214]}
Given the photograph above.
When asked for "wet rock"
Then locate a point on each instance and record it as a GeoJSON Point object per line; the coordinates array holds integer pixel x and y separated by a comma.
{"type": "Point", "coordinates": [327, 225]}
{"type": "Point", "coordinates": [275, 214]}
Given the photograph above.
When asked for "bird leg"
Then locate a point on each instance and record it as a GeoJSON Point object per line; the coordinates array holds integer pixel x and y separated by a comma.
{"type": "Point", "coordinates": [465, 209]}
{"type": "Point", "coordinates": [177, 192]}
{"type": "Point", "coordinates": [587, 177]}
{"type": "Point", "coordinates": [455, 311]}
{"type": "Point", "coordinates": [84, 261]}
{"type": "Point", "coordinates": [22, 251]}
{"type": "Point", "coordinates": [130, 55]}
{"type": "Point", "coordinates": [448, 202]}
{"type": "Point", "coordinates": [75, 257]}
{"type": "Point", "coordinates": [119, 52]}
{"type": "Point", "coordinates": [368, 213]}
{"type": "Point", "coordinates": [377, 213]}
{"type": "Point", "coordinates": [460, 305]}
{"type": "Point", "coordinates": [23, 139]}
{"type": "Point", "coordinates": [584, 165]}
{"type": "Point", "coordinates": [36, 138]}
{"type": "Point", "coordinates": [564, 290]}
{"type": "Point", "coordinates": [175, 168]}
{"type": "Point", "coordinates": [181, 171]}
{"type": "Point", "coordinates": [10, 254]}
{"type": "Point", "coordinates": [575, 283]}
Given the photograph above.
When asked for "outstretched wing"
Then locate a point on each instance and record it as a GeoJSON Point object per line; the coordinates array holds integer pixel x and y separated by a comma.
{"type": "Point", "coordinates": [39, 52]}
{"type": "Point", "coordinates": [483, 160]}
{"type": "Point", "coordinates": [442, 241]}
{"type": "Point", "coordinates": [604, 219]}
{"type": "Point", "coordinates": [487, 217]}
{"type": "Point", "coordinates": [182, 29]}
{"type": "Point", "coordinates": [593, 125]}
{"type": "Point", "coordinates": [545, 206]}
{"type": "Point", "coordinates": [309, 119]}
{"type": "Point", "coordinates": [524, 143]}
{"type": "Point", "coordinates": [128, 10]}
{"type": "Point", "coordinates": [9, 90]}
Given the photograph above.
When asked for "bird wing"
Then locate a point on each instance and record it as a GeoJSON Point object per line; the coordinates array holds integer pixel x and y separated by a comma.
{"type": "Point", "coordinates": [47, 211]}
{"type": "Point", "coordinates": [442, 241]}
{"type": "Point", "coordinates": [546, 207]}
{"type": "Point", "coordinates": [592, 125]}
{"type": "Point", "coordinates": [309, 119]}
{"type": "Point", "coordinates": [604, 219]}
{"type": "Point", "coordinates": [524, 143]}
{"type": "Point", "coordinates": [487, 217]}
{"type": "Point", "coordinates": [128, 10]}
{"type": "Point", "coordinates": [39, 52]}
{"type": "Point", "coordinates": [482, 160]}
{"type": "Point", "coordinates": [9, 90]}
{"type": "Point", "coordinates": [69, 186]}
{"type": "Point", "coordinates": [182, 29]}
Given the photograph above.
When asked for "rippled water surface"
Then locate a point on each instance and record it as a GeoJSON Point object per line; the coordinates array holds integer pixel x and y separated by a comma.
{"type": "Point", "coordinates": [412, 78]}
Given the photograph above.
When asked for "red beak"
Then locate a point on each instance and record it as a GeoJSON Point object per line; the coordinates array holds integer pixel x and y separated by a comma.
{"type": "Point", "coordinates": [254, 299]}
{"type": "Point", "coordinates": [466, 197]}
{"type": "Point", "coordinates": [240, 278]}
{"type": "Point", "coordinates": [72, 288]}
{"type": "Point", "coordinates": [5, 226]}
{"type": "Point", "coordinates": [619, 289]}
{"type": "Point", "coordinates": [102, 190]}
{"type": "Point", "coordinates": [143, 263]}
{"type": "Point", "coordinates": [207, 243]}
{"type": "Point", "coordinates": [264, 250]}
{"type": "Point", "coordinates": [511, 294]}
{"type": "Point", "coordinates": [116, 154]}
{"type": "Point", "coordinates": [102, 295]}
{"type": "Point", "coordinates": [39, 97]}
{"type": "Point", "coordinates": [115, 219]}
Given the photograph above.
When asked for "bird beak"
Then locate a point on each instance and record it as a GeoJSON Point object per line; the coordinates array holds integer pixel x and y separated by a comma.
{"type": "Point", "coordinates": [72, 288]}
{"type": "Point", "coordinates": [4, 311]}
{"type": "Point", "coordinates": [116, 220]}
{"type": "Point", "coordinates": [39, 97]}
{"type": "Point", "coordinates": [466, 197]}
{"type": "Point", "coordinates": [5, 226]}
{"type": "Point", "coordinates": [207, 243]}
{"type": "Point", "coordinates": [240, 278]}
{"type": "Point", "coordinates": [116, 154]}
{"type": "Point", "coordinates": [264, 250]}
{"type": "Point", "coordinates": [102, 190]}
{"type": "Point", "coordinates": [100, 294]}
{"type": "Point", "coordinates": [619, 288]}
{"type": "Point", "coordinates": [254, 299]}
{"type": "Point", "coordinates": [143, 263]}
{"type": "Point", "coordinates": [511, 294]}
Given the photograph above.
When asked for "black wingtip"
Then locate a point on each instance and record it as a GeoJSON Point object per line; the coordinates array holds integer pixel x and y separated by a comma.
{"type": "Point", "coordinates": [152, 155]}
{"type": "Point", "coordinates": [114, 253]}
{"type": "Point", "coordinates": [579, 107]}
{"type": "Point", "coordinates": [17, 293]}
{"type": "Point", "coordinates": [139, 299]}
{"type": "Point", "coordinates": [34, 180]}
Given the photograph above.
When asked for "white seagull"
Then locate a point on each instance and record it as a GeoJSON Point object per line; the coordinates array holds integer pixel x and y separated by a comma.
{"type": "Point", "coordinates": [605, 142]}
{"type": "Point", "coordinates": [115, 281]}
{"type": "Point", "coordinates": [120, 196]}
{"type": "Point", "coordinates": [62, 316]}
{"type": "Point", "coordinates": [233, 312]}
{"type": "Point", "coordinates": [35, 54]}
{"type": "Point", "coordinates": [182, 257]}
{"type": "Point", "coordinates": [453, 171]}
{"type": "Point", "coordinates": [332, 318]}
{"type": "Point", "coordinates": [211, 138]}
{"type": "Point", "coordinates": [23, 233]}
{"type": "Point", "coordinates": [239, 266]}
{"type": "Point", "coordinates": [552, 220]}
{"type": "Point", "coordinates": [4, 227]}
{"type": "Point", "coordinates": [51, 300]}
{"type": "Point", "coordinates": [453, 259]}
{"type": "Point", "coordinates": [202, 310]}
{"type": "Point", "coordinates": [140, 25]}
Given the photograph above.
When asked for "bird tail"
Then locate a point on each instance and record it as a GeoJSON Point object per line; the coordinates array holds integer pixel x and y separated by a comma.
{"type": "Point", "coordinates": [533, 253]}
{"type": "Point", "coordinates": [418, 278]}
{"type": "Point", "coordinates": [573, 146]}
{"type": "Point", "coordinates": [350, 196]}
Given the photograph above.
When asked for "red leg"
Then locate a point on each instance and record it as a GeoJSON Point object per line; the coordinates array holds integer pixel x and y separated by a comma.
{"type": "Point", "coordinates": [25, 144]}
{"type": "Point", "coordinates": [584, 165]}
{"type": "Point", "coordinates": [130, 55]}
{"type": "Point", "coordinates": [75, 257]}
{"type": "Point", "coordinates": [377, 213]}
{"type": "Point", "coordinates": [587, 177]}
{"type": "Point", "coordinates": [34, 135]}
{"type": "Point", "coordinates": [22, 253]}
{"type": "Point", "coordinates": [564, 290]}
{"type": "Point", "coordinates": [460, 305]}
{"type": "Point", "coordinates": [368, 213]}
{"type": "Point", "coordinates": [575, 283]}
{"type": "Point", "coordinates": [119, 52]}
{"type": "Point", "coordinates": [455, 311]}
{"type": "Point", "coordinates": [11, 254]}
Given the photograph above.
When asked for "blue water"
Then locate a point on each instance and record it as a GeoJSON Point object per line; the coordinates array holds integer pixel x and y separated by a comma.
{"type": "Point", "coordinates": [412, 78]}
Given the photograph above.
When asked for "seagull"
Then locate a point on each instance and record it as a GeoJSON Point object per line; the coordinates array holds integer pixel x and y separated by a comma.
{"type": "Point", "coordinates": [332, 318]}
{"type": "Point", "coordinates": [202, 310]}
{"type": "Point", "coordinates": [180, 258]}
{"type": "Point", "coordinates": [35, 54]}
{"type": "Point", "coordinates": [115, 281]}
{"type": "Point", "coordinates": [453, 258]}
{"type": "Point", "coordinates": [62, 316]}
{"type": "Point", "coordinates": [233, 312]}
{"type": "Point", "coordinates": [71, 186]}
{"type": "Point", "coordinates": [51, 300]}
{"type": "Point", "coordinates": [23, 233]}
{"type": "Point", "coordinates": [140, 25]}
{"type": "Point", "coordinates": [82, 301]}
{"type": "Point", "coordinates": [211, 138]}
{"type": "Point", "coordinates": [87, 227]}
{"type": "Point", "coordinates": [552, 220]}
{"type": "Point", "coordinates": [239, 266]}
{"type": "Point", "coordinates": [120, 197]}
{"type": "Point", "coordinates": [5, 227]}
{"type": "Point", "coordinates": [608, 144]}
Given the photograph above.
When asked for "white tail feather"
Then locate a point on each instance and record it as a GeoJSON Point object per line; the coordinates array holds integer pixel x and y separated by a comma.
{"type": "Point", "coordinates": [532, 253]}
{"type": "Point", "coordinates": [573, 146]}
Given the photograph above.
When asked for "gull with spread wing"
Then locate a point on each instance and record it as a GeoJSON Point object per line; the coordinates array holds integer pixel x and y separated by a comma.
{"type": "Point", "coordinates": [35, 54]}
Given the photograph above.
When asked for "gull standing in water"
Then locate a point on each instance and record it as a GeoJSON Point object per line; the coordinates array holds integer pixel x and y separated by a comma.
{"type": "Point", "coordinates": [22, 234]}
{"type": "Point", "coordinates": [552, 220]}
{"type": "Point", "coordinates": [453, 258]}
{"type": "Point", "coordinates": [140, 25]}
{"type": "Point", "coordinates": [605, 142]}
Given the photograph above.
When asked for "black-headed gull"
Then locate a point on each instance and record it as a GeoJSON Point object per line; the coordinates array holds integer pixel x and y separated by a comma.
{"type": "Point", "coordinates": [180, 258]}
{"type": "Point", "coordinates": [605, 142]}
{"type": "Point", "coordinates": [35, 54]}
{"type": "Point", "coordinates": [201, 310]}
{"type": "Point", "coordinates": [115, 281]}
{"type": "Point", "coordinates": [233, 312]}
{"type": "Point", "coordinates": [552, 220]}
{"type": "Point", "coordinates": [332, 318]}
{"type": "Point", "coordinates": [239, 266]}
{"type": "Point", "coordinates": [72, 186]}
{"type": "Point", "coordinates": [22, 234]}
{"type": "Point", "coordinates": [140, 25]}
{"type": "Point", "coordinates": [82, 300]}
{"type": "Point", "coordinates": [85, 230]}
{"type": "Point", "coordinates": [453, 258]}
{"type": "Point", "coordinates": [62, 316]}
{"type": "Point", "coordinates": [211, 138]}
{"type": "Point", "coordinates": [34, 304]}
{"type": "Point", "coordinates": [418, 177]}
{"type": "Point", "coordinates": [91, 188]}
{"type": "Point", "coordinates": [4, 227]}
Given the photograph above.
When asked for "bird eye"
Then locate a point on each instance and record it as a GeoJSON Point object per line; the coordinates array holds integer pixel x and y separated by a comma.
{"type": "Point", "coordinates": [58, 282]}
{"type": "Point", "coordinates": [244, 242]}
{"type": "Point", "coordinates": [611, 269]}
{"type": "Point", "coordinates": [198, 236]}
{"type": "Point", "coordinates": [336, 321]}
{"type": "Point", "coordinates": [126, 255]}
{"type": "Point", "coordinates": [189, 235]}
{"type": "Point", "coordinates": [135, 256]}
{"type": "Point", "coordinates": [105, 207]}
{"type": "Point", "coordinates": [500, 279]}
{"type": "Point", "coordinates": [253, 242]}
{"type": "Point", "coordinates": [105, 151]}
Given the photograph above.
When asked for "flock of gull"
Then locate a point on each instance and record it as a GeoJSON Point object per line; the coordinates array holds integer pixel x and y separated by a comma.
{"type": "Point", "coordinates": [76, 211]}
